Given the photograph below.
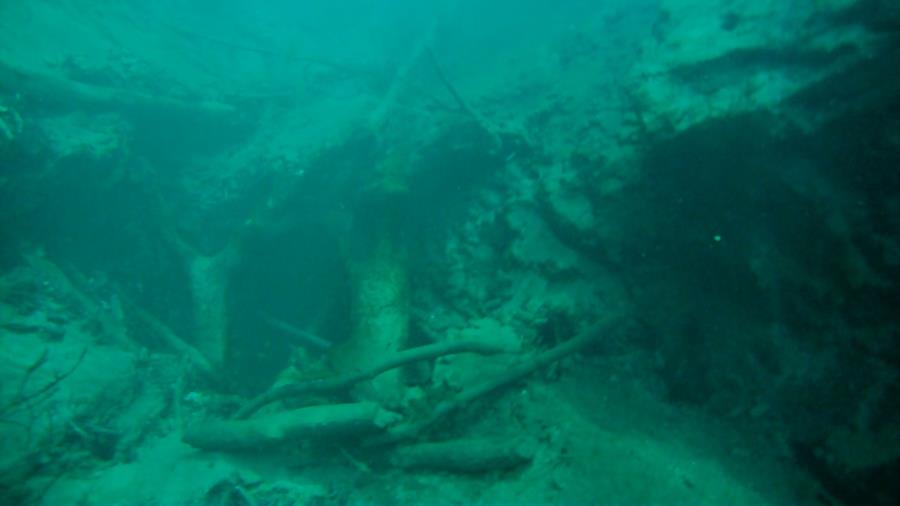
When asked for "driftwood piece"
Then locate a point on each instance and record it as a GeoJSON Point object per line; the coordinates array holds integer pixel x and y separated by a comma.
{"type": "Point", "coordinates": [515, 373]}
{"type": "Point", "coordinates": [305, 423]}
{"type": "Point", "coordinates": [475, 455]}
{"type": "Point", "coordinates": [344, 382]}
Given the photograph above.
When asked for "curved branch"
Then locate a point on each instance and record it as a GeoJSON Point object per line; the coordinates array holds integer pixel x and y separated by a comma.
{"type": "Point", "coordinates": [343, 382]}
{"type": "Point", "coordinates": [515, 373]}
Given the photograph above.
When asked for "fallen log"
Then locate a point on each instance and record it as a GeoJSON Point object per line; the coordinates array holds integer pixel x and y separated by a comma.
{"type": "Point", "coordinates": [344, 382]}
{"type": "Point", "coordinates": [273, 430]}
{"type": "Point", "coordinates": [476, 455]}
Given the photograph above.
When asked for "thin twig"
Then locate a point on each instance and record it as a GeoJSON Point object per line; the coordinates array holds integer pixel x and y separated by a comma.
{"type": "Point", "coordinates": [31, 370]}
{"type": "Point", "coordinates": [21, 398]}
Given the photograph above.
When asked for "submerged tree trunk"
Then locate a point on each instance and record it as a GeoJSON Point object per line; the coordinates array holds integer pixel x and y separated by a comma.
{"type": "Point", "coordinates": [209, 277]}
{"type": "Point", "coordinates": [380, 318]}
{"type": "Point", "coordinates": [378, 263]}
{"type": "Point", "coordinates": [209, 289]}
{"type": "Point", "coordinates": [380, 315]}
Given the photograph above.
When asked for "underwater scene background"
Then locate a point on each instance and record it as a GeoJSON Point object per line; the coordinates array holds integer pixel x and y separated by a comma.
{"type": "Point", "coordinates": [610, 252]}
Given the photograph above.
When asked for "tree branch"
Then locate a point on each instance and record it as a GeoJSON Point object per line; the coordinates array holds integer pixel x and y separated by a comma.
{"type": "Point", "coordinates": [22, 398]}
{"type": "Point", "coordinates": [343, 382]}
{"type": "Point", "coordinates": [515, 373]}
